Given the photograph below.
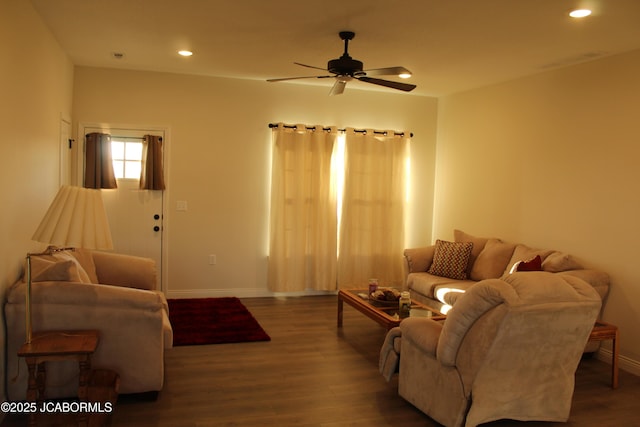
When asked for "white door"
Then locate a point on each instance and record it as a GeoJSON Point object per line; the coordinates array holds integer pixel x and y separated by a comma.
{"type": "Point", "coordinates": [135, 216]}
{"type": "Point", "coordinates": [135, 219]}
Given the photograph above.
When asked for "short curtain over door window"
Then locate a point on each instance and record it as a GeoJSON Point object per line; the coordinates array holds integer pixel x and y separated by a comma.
{"type": "Point", "coordinates": [337, 208]}
{"type": "Point", "coordinates": [99, 170]}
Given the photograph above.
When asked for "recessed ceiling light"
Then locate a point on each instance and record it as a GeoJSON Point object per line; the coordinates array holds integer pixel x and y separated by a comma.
{"type": "Point", "coordinates": [579, 13]}
{"type": "Point", "coordinates": [185, 53]}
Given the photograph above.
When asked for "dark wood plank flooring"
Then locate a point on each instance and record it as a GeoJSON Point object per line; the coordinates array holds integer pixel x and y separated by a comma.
{"type": "Point", "coordinates": [312, 374]}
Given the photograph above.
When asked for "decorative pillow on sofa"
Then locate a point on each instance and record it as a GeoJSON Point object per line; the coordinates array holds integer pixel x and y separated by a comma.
{"type": "Point", "coordinates": [534, 264]}
{"type": "Point", "coordinates": [85, 258]}
{"type": "Point", "coordinates": [44, 270]}
{"type": "Point", "coordinates": [60, 266]}
{"type": "Point", "coordinates": [559, 261]}
{"type": "Point", "coordinates": [83, 277]}
{"type": "Point", "coordinates": [523, 253]}
{"type": "Point", "coordinates": [451, 259]}
{"type": "Point", "coordinates": [493, 260]}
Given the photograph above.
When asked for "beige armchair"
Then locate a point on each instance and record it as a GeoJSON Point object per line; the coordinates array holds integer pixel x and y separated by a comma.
{"type": "Point", "coordinates": [113, 293]}
{"type": "Point", "coordinates": [508, 349]}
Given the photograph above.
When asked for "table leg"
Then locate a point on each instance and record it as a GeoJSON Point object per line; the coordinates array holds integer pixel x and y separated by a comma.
{"type": "Point", "coordinates": [340, 308]}
{"type": "Point", "coordinates": [615, 349]}
{"type": "Point", "coordinates": [41, 381]}
{"type": "Point", "coordinates": [32, 388]}
{"type": "Point", "coordinates": [85, 372]}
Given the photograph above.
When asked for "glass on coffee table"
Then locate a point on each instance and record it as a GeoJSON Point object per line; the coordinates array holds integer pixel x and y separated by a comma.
{"type": "Point", "coordinates": [385, 313]}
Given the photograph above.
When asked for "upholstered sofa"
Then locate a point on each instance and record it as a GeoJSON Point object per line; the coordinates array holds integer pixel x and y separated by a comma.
{"type": "Point", "coordinates": [113, 293]}
{"type": "Point", "coordinates": [508, 349]}
{"type": "Point", "coordinates": [437, 275]}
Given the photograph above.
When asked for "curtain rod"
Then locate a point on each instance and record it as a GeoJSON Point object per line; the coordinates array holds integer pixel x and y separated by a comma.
{"type": "Point", "coordinates": [139, 138]}
{"type": "Point", "coordinates": [376, 132]}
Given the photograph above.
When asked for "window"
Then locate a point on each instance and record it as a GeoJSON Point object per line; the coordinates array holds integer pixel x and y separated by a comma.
{"type": "Point", "coordinates": [127, 157]}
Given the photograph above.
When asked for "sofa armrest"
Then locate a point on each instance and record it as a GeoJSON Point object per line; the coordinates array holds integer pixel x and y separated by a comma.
{"type": "Point", "coordinates": [86, 295]}
{"type": "Point", "coordinates": [422, 332]}
{"type": "Point", "coordinates": [125, 270]}
{"type": "Point", "coordinates": [418, 259]}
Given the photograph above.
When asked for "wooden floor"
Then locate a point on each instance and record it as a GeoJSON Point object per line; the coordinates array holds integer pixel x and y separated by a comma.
{"type": "Point", "coordinates": [312, 374]}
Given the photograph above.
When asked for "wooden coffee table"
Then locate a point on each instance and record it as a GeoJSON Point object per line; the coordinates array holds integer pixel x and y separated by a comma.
{"type": "Point", "coordinates": [386, 316]}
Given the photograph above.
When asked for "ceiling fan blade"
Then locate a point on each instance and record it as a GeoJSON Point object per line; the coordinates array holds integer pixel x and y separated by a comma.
{"type": "Point", "coordinates": [296, 78]}
{"type": "Point", "coordinates": [389, 71]}
{"type": "Point", "coordinates": [338, 87]}
{"type": "Point", "coordinates": [310, 66]}
{"type": "Point", "coordinates": [394, 85]}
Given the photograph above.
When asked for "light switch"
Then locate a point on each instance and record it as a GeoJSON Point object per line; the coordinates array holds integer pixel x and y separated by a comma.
{"type": "Point", "coordinates": [181, 205]}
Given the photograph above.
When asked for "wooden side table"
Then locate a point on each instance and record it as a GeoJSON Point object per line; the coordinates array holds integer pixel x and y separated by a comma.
{"type": "Point", "coordinates": [49, 346]}
{"type": "Point", "coordinates": [605, 331]}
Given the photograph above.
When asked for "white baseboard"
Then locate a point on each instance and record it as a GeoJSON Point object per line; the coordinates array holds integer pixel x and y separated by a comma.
{"type": "Point", "coordinates": [624, 363]}
{"type": "Point", "coordinates": [239, 293]}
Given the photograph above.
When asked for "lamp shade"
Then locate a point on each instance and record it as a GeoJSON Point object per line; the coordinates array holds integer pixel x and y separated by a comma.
{"type": "Point", "coordinates": [76, 218]}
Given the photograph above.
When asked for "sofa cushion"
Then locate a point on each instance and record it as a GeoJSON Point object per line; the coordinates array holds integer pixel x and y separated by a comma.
{"type": "Point", "coordinates": [493, 260]}
{"type": "Point", "coordinates": [478, 245]}
{"type": "Point", "coordinates": [451, 259]}
{"type": "Point", "coordinates": [448, 293]}
{"type": "Point", "coordinates": [559, 261]}
{"type": "Point", "coordinates": [425, 284]}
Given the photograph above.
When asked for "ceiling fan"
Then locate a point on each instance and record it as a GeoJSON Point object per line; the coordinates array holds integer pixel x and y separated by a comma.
{"type": "Point", "coordinates": [346, 68]}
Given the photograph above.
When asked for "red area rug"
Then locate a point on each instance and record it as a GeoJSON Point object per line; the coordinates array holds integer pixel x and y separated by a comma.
{"type": "Point", "coordinates": [199, 321]}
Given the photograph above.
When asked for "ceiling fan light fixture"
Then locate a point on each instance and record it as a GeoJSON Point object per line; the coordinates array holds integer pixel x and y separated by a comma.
{"type": "Point", "coordinates": [185, 53]}
{"type": "Point", "coordinates": [345, 69]}
{"type": "Point", "coordinates": [580, 13]}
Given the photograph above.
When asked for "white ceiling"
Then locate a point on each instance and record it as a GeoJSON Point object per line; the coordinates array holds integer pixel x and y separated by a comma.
{"type": "Point", "coordinates": [449, 45]}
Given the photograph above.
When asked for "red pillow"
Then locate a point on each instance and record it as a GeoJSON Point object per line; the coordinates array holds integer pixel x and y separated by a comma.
{"type": "Point", "coordinates": [534, 264]}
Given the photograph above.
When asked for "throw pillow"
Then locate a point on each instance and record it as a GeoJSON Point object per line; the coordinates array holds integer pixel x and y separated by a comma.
{"type": "Point", "coordinates": [524, 252]}
{"type": "Point", "coordinates": [80, 273]}
{"type": "Point", "coordinates": [478, 245]}
{"type": "Point", "coordinates": [85, 258]}
{"type": "Point", "coordinates": [450, 259]}
{"type": "Point", "coordinates": [534, 264]}
{"type": "Point", "coordinates": [493, 260]}
{"type": "Point", "coordinates": [559, 261]}
{"type": "Point", "coordinates": [43, 270]}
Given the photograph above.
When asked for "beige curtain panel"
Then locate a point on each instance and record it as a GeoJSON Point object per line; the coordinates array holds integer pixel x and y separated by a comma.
{"type": "Point", "coordinates": [98, 165]}
{"type": "Point", "coordinates": [152, 172]}
{"type": "Point", "coordinates": [303, 221]}
{"type": "Point", "coordinates": [372, 219]}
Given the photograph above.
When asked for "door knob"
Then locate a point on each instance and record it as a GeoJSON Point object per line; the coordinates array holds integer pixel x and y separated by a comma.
{"type": "Point", "coordinates": [156, 217]}
{"type": "Point", "coordinates": [156, 228]}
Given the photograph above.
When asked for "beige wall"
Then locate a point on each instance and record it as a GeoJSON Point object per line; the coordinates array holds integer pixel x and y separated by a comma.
{"type": "Point", "coordinates": [552, 161]}
{"type": "Point", "coordinates": [36, 79]}
{"type": "Point", "coordinates": [219, 160]}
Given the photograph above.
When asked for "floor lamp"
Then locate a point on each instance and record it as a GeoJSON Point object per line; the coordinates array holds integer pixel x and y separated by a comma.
{"type": "Point", "coordinates": [75, 219]}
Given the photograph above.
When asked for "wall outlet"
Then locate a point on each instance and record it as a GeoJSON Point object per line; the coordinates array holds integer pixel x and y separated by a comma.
{"type": "Point", "coordinates": [212, 260]}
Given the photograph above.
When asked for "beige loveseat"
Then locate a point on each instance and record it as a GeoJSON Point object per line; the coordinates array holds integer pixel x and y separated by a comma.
{"type": "Point", "coordinates": [438, 274]}
{"type": "Point", "coordinates": [113, 293]}
{"type": "Point", "coordinates": [508, 349]}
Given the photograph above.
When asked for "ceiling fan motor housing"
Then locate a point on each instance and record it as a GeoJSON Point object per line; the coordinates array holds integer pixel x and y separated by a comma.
{"type": "Point", "coordinates": [345, 66]}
